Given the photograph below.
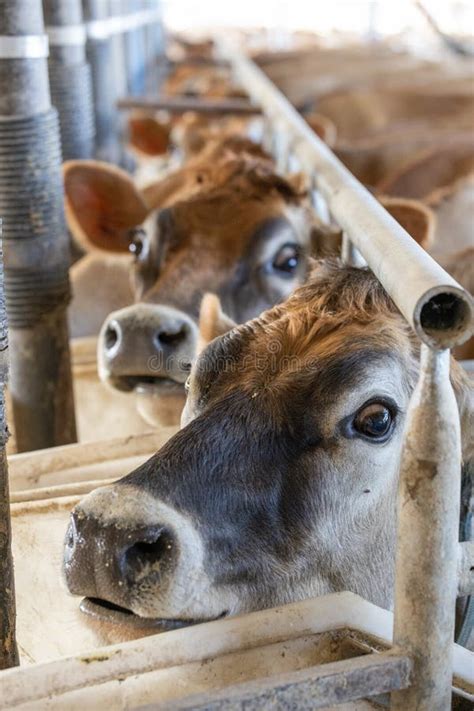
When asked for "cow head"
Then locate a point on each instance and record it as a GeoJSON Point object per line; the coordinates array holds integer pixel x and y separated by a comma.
{"type": "Point", "coordinates": [245, 235]}
{"type": "Point", "coordinates": [282, 483]}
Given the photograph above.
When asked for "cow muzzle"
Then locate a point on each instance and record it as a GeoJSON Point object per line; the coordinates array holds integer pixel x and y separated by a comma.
{"type": "Point", "coordinates": [147, 348]}
{"type": "Point", "coordinates": [112, 564]}
{"type": "Point", "coordinates": [127, 552]}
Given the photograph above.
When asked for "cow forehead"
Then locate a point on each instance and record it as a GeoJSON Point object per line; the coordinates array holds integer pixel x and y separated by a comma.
{"type": "Point", "coordinates": [331, 363]}
{"type": "Point", "coordinates": [223, 233]}
{"type": "Point", "coordinates": [320, 326]}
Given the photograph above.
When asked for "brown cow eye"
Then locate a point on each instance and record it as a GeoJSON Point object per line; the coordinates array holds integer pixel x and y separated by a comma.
{"type": "Point", "coordinates": [374, 421]}
{"type": "Point", "coordinates": [137, 245]}
{"type": "Point", "coordinates": [287, 259]}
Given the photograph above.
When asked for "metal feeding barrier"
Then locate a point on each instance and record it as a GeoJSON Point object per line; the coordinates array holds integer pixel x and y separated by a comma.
{"type": "Point", "coordinates": [432, 567]}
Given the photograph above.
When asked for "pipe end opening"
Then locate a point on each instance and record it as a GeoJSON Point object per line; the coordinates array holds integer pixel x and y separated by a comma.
{"type": "Point", "coordinates": [446, 319]}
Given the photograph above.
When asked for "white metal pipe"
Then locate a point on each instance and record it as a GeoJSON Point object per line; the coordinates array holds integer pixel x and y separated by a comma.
{"type": "Point", "coordinates": [439, 310]}
{"type": "Point", "coordinates": [426, 581]}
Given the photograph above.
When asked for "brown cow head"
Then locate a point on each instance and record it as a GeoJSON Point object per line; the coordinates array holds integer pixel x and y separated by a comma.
{"type": "Point", "coordinates": [247, 239]}
{"type": "Point", "coordinates": [282, 484]}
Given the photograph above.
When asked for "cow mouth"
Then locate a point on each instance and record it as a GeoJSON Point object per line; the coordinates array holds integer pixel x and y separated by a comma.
{"type": "Point", "coordinates": [105, 611]}
{"type": "Point", "coordinates": [145, 384]}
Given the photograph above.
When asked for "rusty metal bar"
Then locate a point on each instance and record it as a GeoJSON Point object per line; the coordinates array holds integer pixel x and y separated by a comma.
{"type": "Point", "coordinates": [438, 309]}
{"type": "Point", "coordinates": [35, 240]}
{"type": "Point", "coordinates": [317, 687]}
{"type": "Point", "coordinates": [8, 648]}
{"type": "Point", "coordinates": [178, 105]}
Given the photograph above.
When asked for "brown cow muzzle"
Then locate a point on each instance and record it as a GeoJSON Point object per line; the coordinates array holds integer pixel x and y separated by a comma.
{"type": "Point", "coordinates": [146, 347]}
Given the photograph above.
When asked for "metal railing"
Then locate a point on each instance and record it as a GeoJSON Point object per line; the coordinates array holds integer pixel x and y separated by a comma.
{"type": "Point", "coordinates": [431, 565]}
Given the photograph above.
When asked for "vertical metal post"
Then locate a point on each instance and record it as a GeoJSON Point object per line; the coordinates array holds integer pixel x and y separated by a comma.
{"type": "Point", "coordinates": [118, 75]}
{"type": "Point", "coordinates": [428, 549]}
{"type": "Point", "coordinates": [99, 54]}
{"type": "Point", "coordinates": [70, 77]}
{"type": "Point", "coordinates": [135, 53]}
{"type": "Point", "coordinates": [35, 239]}
{"type": "Point", "coordinates": [8, 648]}
{"type": "Point", "coordinates": [155, 35]}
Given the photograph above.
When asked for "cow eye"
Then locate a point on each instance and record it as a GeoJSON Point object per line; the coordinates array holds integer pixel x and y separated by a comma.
{"type": "Point", "coordinates": [374, 421]}
{"type": "Point", "coordinates": [138, 243]}
{"type": "Point", "coordinates": [287, 259]}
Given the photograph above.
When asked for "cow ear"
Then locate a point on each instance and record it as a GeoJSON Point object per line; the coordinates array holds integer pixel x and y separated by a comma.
{"type": "Point", "coordinates": [323, 127]}
{"type": "Point", "coordinates": [212, 321]}
{"type": "Point", "coordinates": [148, 136]}
{"type": "Point", "coordinates": [102, 205]}
{"type": "Point", "coordinates": [417, 219]}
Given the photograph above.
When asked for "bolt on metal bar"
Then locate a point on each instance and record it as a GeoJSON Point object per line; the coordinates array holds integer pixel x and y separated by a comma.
{"type": "Point", "coordinates": [8, 648]}
{"type": "Point", "coordinates": [439, 310]}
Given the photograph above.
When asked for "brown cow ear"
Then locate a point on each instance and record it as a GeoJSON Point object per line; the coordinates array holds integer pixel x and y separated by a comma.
{"type": "Point", "coordinates": [417, 219]}
{"type": "Point", "coordinates": [102, 205]}
{"type": "Point", "coordinates": [149, 136]}
{"type": "Point", "coordinates": [212, 321]}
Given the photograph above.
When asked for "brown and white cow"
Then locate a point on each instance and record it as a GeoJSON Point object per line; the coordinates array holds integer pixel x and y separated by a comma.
{"type": "Point", "coordinates": [282, 483]}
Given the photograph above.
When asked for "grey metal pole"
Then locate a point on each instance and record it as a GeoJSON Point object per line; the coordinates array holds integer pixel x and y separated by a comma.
{"type": "Point", "coordinates": [135, 52]}
{"type": "Point", "coordinates": [118, 76]}
{"type": "Point", "coordinates": [70, 77]}
{"type": "Point", "coordinates": [156, 65]}
{"type": "Point", "coordinates": [99, 54]}
{"type": "Point", "coordinates": [8, 648]}
{"type": "Point", "coordinates": [426, 581]}
{"type": "Point", "coordinates": [35, 239]}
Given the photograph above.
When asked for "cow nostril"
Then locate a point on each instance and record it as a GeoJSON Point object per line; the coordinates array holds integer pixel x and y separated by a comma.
{"type": "Point", "coordinates": [143, 556]}
{"type": "Point", "coordinates": [171, 338]}
{"type": "Point", "coordinates": [111, 336]}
